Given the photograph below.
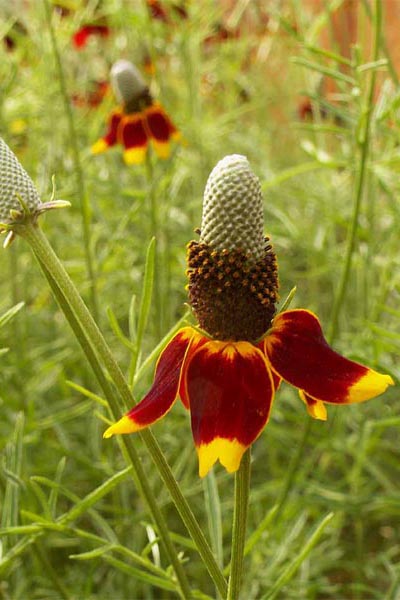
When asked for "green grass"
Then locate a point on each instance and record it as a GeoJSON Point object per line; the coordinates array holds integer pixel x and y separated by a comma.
{"type": "Point", "coordinates": [73, 524]}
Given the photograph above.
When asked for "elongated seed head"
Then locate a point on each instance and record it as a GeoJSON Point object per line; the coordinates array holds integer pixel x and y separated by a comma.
{"type": "Point", "coordinates": [14, 182]}
{"type": "Point", "coordinates": [232, 270]}
{"type": "Point", "coordinates": [232, 209]}
{"type": "Point", "coordinates": [127, 82]}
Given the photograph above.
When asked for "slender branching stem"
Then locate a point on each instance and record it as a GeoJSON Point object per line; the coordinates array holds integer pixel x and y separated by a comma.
{"type": "Point", "coordinates": [80, 179]}
{"type": "Point", "coordinates": [363, 140]}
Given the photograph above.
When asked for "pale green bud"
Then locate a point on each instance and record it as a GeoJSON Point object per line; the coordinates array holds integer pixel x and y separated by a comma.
{"type": "Point", "coordinates": [14, 182]}
{"type": "Point", "coordinates": [127, 81]}
{"type": "Point", "coordinates": [233, 210]}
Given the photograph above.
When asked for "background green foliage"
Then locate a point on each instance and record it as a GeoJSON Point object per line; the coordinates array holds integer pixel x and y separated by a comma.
{"type": "Point", "coordinates": [241, 96]}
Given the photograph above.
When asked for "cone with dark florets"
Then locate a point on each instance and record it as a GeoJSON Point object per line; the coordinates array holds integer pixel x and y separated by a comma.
{"type": "Point", "coordinates": [232, 270]}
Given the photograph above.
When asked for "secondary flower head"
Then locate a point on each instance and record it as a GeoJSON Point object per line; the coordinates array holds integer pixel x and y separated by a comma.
{"type": "Point", "coordinates": [227, 376]}
{"type": "Point", "coordinates": [138, 120]}
{"type": "Point", "coordinates": [19, 199]}
{"type": "Point", "coordinates": [14, 182]}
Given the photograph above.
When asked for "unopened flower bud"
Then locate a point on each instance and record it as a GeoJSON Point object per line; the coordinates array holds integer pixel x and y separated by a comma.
{"type": "Point", "coordinates": [233, 209]}
{"type": "Point", "coordinates": [127, 82]}
{"type": "Point", "coordinates": [14, 182]}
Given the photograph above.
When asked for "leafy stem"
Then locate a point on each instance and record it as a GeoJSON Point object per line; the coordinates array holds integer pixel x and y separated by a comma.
{"type": "Point", "coordinates": [98, 353]}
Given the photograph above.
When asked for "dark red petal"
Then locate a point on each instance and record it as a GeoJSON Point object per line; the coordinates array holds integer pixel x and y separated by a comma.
{"type": "Point", "coordinates": [230, 388]}
{"type": "Point", "coordinates": [133, 136]}
{"type": "Point", "coordinates": [111, 137]}
{"type": "Point", "coordinates": [277, 380]}
{"type": "Point", "coordinates": [196, 342]}
{"type": "Point", "coordinates": [80, 38]}
{"type": "Point", "coordinates": [132, 133]}
{"type": "Point", "coordinates": [160, 125]}
{"type": "Point", "coordinates": [299, 353]}
{"type": "Point", "coordinates": [164, 390]}
{"type": "Point", "coordinates": [114, 121]}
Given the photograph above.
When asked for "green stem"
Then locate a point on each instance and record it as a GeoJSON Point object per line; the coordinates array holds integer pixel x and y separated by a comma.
{"type": "Point", "coordinates": [242, 488]}
{"type": "Point", "coordinates": [364, 144]}
{"type": "Point", "coordinates": [115, 408]}
{"type": "Point", "coordinates": [154, 226]}
{"type": "Point", "coordinates": [80, 180]}
{"type": "Point", "coordinates": [95, 347]}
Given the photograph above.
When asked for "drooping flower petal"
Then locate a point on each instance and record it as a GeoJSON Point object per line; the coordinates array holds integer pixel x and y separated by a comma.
{"type": "Point", "coordinates": [164, 390]}
{"type": "Point", "coordinates": [230, 389]}
{"type": "Point", "coordinates": [134, 138]}
{"type": "Point", "coordinates": [315, 408]}
{"type": "Point", "coordinates": [111, 137]}
{"type": "Point", "coordinates": [161, 129]}
{"type": "Point", "coordinates": [299, 353]}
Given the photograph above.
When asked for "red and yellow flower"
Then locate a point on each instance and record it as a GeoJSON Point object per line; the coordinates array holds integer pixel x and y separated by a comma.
{"type": "Point", "coordinates": [81, 37]}
{"type": "Point", "coordinates": [226, 373]}
{"type": "Point", "coordinates": [138, 121]}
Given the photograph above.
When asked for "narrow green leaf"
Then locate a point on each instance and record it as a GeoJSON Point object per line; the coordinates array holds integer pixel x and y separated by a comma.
{"type": "Point", "coordinates": [87, 393]}
{"type": "Point", "coordinates": [53, 498]}
{"type": "Point", "coordinates": [334, 73]}
{"type": "Point", "coordinates": [64, 415]}
{"type": "Point", "coordinates": [375, 64]}
{"type": "Point", "coordinates": [155, 353]}
{"type": "Point", "coordinates": [291, 569]}
{"type": "Point", "coordinates": [132, 319]}
{"type": "Point", "coordinates": [118, 331]}
{"type": "Point", "coordinates": [145, 304]}
{"type": "Point", "coordinates": [10, 313]}
{"type": "Point", "coordinates": [94, 496]}
{"type": "Point", "coordinates": [90, 554]}
{"type": "Point", "coordinates": [213, 510]}
{"type": "Point", "coordinates": [328, 54]}
{"type": "Point", "coordinates": [12, 470]}
{"type": "Point", "coordinates": [257, 534]}
{"type": "Point", "coordinates": [141, 575]}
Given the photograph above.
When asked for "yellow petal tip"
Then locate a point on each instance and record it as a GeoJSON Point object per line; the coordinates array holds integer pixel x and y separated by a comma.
{"type": "Point", "coordinates": [162, 149]}
{"type": "Point", "coordinates": [124, 425]}
{"type": "Point", "coordinates": [228, 452]}
{"type": "Point", "coordinates": [317, 411]}
{"type": "Point", "coordinates": [99, 147]}
{"type": "Point", "coordinates": [135, 156]}
{"type": "Point", "coordinates": [372, 384]}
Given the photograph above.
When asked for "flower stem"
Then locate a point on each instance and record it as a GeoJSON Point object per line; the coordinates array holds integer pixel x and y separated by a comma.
{"type": "Point", "coordinates": [363, 140]}
{"type": "Point", "coordinates": [154, 225]}
{"type": "Point", "coordinates": [96, 349]}
{"type": "Point", "coordinates": [86, 343]}
{"type": "Point", "coordinates": [242, 488]}
{"type": "Point", "coordinates": [80, 180]}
